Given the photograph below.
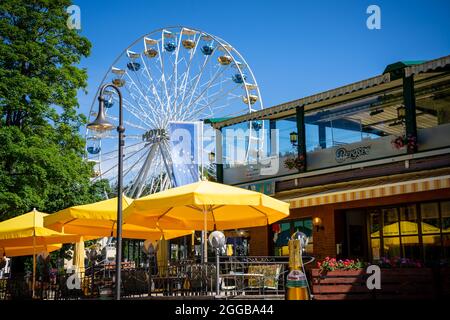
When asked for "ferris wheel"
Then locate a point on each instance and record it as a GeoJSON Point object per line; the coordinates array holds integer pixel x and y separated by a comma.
{"type": "Point", "coordinates": [172, 74]}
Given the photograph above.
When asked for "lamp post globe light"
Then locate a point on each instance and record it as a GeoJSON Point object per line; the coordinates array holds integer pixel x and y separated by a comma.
{"type": "Point", "coordinates": [100, 124]}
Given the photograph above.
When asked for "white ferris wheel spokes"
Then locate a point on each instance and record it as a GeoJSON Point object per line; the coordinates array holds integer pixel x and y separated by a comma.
{"type": "Point", "coordinates": [172, 74]}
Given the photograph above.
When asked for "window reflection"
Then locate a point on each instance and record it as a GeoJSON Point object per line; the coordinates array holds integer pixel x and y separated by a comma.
{"type": "Point", "coordinates": [430, 217]}
{"type": "Point", "coordinates": [417, 231]}
{"type": "Point", "coordinates": [391, 247]}
{"type": "Point", "coordinates": [432, 247]}
{"type": "Point", "coordinates": [374, 217]}
{"type": "Point", "coordinates": [375, 244]}
{"type": "Point", "coordinates": [282, 233]}
{"type": "Point", "coordinates": [408, 217]}
{"type": "Point", "coordinates": [445, 212]}
{"type": "Point", "coordinates": [433, 120]}
{"type": "Point", "coordinates": [411, 247]}
{"type": "Point", "coordinates": [351, 123]}
{"type": "Point", "coordinates": [390, 222]}
{"type": "Point", "coordinates": [285, 127]}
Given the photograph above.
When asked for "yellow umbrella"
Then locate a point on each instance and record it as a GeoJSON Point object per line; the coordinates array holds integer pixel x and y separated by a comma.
{"type": "Point", "coordinates": [224, 207]}
{"type": "Point", "coordinates": [28, 230]}
{"type": "Point", "coordinates": [27, 251]}
{"type": "Point", "coordinates": [99, 219]}
{"type": "Point", "coordinates": [206, 206]}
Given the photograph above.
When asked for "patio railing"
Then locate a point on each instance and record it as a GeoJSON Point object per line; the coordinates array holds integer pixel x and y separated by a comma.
{"type": "Point", "coordinates": [238, 276]}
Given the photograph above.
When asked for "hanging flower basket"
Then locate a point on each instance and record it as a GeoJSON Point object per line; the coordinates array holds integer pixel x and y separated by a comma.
{"type": "Point", "coordinates": [295, 162]}
{"type": "Point", "coordinates": [410, 142]}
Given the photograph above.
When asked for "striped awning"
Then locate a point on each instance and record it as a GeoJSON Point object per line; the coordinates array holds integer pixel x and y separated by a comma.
{"type": "Point", "coordinates": [384, 190]}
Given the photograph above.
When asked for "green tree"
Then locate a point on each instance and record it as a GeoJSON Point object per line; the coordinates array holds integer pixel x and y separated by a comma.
{"type": "Point", "coordinates": [41, 150]}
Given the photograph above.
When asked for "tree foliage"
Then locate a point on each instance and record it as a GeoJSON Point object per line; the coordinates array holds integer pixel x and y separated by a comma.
{"type": "Point", "coordinates": [41, 150]}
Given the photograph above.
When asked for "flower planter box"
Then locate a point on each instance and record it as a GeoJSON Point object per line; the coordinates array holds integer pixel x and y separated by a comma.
{"type": "Point", "coordinates": [398, 283]}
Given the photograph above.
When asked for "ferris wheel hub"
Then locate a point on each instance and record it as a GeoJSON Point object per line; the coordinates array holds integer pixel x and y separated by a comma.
{"type": "Point", "coordinates": [155, 135]}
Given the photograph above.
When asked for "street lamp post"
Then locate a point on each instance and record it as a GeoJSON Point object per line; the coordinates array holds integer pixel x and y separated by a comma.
{"type": "Point", "coordinates": [100, 124]}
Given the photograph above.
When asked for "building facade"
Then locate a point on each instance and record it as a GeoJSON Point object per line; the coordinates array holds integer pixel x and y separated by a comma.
{"type": "Point", "coordinates": [365, 167]}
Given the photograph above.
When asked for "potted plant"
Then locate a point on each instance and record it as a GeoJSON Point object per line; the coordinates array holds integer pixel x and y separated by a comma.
{"type": "Point", "coordinates": [405, 141]}
{"type": "Point", "coordinates": [331, 265]}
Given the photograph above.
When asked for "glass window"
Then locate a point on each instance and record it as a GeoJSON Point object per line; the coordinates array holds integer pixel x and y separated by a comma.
{"type": "Point", "coordinates": [285, 127]}
{"type": "Point", "coordinates": [411, 247]}
{"type": "Point", "coordinates": [282, 233]}
{"type": "Point", "coordinates": [374, 217]}
{"type": "Point", "coordinates": [351, 123]}
{"type": "Point", "coordinates": [430, 217]}
{"type": "Point", "coordinates": [235, 143]}
{"type": "Point", "coordinates": [390, 222]}
{"type": "Point", "coordinates": [445, 212]}
{"type": "Point", "coordinates": [408, 223]}
{"type": "Point", "coordinates": [281, 236]}
{"type": "Point", "coordinates": [432, 247]}
{"type": "Point", "coordinates": [391, 247]}
{"type": "Point", "coordinates": [406, 228]}
{"type": "Point", "coordinates": [237, 243]}
{"type": "Point", "coordinates": [433, 120]}
{"type": "Point", "coordinates": [375, 245]}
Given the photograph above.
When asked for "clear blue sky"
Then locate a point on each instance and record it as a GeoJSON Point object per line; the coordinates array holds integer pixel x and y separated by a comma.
{"type": "Point", "coordinates": [295, 48]}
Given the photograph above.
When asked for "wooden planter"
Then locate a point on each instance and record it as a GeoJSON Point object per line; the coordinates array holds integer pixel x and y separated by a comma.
{"type": "Point", "coordinates": [398, 283]}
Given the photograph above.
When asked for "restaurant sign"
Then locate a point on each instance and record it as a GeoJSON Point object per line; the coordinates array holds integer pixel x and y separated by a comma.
{"type": "Point", "coordinates": [342, 154]}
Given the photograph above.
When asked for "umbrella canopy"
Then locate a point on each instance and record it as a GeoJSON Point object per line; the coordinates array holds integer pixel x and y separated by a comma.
{"type": "Point", "coordinates": [27, 251]}
{"type": "Point", "coordinates": [99, 219]}
{"type": "Point", "coordinates": [28, 230]}
{"type": "Point", "coordinates": [224, 207]}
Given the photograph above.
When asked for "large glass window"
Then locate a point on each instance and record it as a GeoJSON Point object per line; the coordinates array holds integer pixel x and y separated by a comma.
{"type": "Point", "coordinates": [352, 123]}
{"type": "Point", "coordinates": [433, 119]}
{"type": "Point", "coordinates": [416, 231]}
{"type": "Point", "coordinates": [359, 131]}
{"type": "Point", "coordinates": [281, 233]}
{"type": "Point", "coordinates": [285, 127]}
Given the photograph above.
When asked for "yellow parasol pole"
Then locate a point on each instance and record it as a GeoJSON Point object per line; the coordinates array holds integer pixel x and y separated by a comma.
{"type": "Point", "coordinates": [205, 238]}
{"type": "Point", "coordinates": [34, 261]}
